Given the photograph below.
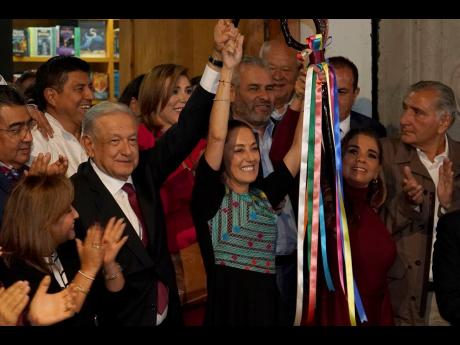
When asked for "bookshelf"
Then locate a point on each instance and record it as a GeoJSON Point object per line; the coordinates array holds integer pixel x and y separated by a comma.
{"type": "Point", "coordinates": [102, 64]}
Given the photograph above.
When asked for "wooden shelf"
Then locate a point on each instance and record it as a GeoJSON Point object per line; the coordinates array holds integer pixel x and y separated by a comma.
{"type": "Point", "coordinates": [105, 64]}
{"type": "Point", "coordinates": [46, 58]}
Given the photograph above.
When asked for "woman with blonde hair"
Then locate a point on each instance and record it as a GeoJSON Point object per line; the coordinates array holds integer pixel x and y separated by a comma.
{"type": "Point", "coordinates": [37, 239]}
{"type": "Point", "coordinates": [163, 94]}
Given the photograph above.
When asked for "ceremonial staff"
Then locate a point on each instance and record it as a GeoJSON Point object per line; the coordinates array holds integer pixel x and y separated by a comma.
{"type": "Point", "coordinates": [320, 166]}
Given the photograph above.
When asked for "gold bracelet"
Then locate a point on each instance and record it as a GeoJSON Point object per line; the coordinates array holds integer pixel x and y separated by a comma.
{"type": "Point", "coordinates": [81, 289]}
{"type": "Point", "coordinates": [114, 276]}
{"type": "Point", "coordinates": [86, 276]}
{"type": "Point", "coordinates": [221, 100]}
{"type": "Point", "coordinates": [224, 81]}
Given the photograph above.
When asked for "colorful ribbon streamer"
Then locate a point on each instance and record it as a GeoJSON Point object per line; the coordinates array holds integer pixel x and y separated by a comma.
{"type": "Point", "coordinates": [311, 209]}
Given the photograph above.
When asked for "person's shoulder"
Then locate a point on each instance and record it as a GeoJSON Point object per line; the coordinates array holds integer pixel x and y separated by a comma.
{"type": "Point", "coordinates": [453, 142]}
{"type": "Point", "coordinates": [362, 117]}
{"type": "Point", "coordinates": [83, 171]}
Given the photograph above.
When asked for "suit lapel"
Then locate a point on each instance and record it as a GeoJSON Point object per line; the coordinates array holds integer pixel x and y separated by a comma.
{"type": "Point", "coordinates": [454, 156]}
{"type": "Point", "coordinates": [407, 155]}
{"type": "Point", "coordinates": [107, 208]}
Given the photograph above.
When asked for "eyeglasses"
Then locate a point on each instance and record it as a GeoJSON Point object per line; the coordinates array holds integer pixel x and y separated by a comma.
{"type": "Point", "coordinates": [21, 129]}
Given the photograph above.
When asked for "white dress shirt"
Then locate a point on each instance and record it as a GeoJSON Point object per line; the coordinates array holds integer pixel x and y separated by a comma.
{"type": "Point", "coordinates": [433, 170]}
{"type": "Point", "coordinates": [121, 197]}
{"type": "Point", "coordinates": [63, 143]}
{"type": "Point", "coordinates": [345, 126]}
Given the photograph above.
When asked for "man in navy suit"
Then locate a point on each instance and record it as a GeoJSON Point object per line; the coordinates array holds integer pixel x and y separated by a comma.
{"type": "Point", "coordinates": [348, 90]}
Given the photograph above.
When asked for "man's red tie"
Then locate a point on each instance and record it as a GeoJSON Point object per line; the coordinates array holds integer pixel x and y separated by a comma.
{"type": "Point", "coordinates": [162, 299]}
{"type": "Point", "coordinates": [132, 197]}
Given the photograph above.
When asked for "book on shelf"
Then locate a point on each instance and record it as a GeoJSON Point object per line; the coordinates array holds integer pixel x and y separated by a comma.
{"type": "Point", "coordinates": [32, 36]}
{"type": "Point", "coordinates": [116, 83]}
{"type": "Point", "coordinates": [20, 46]}
{"type": "Point", "coordinates": [100, 85]}
{"type": "Point", "coordinates": [46, 41]}
{"type": "Point", "coordinates": [67, 40]}
{"type": "Point", "coordinates": [116, 42]}
{"type": "Point", "coordinates": [92, 38]}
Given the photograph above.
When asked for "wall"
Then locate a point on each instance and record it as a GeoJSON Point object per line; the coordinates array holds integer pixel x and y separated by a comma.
{"type": "Point", "coordinates": [145, 43]}
{"type": "Point", "coordinates": [351, 38]}
{"type": "Point", "coordinates": [412, 50]}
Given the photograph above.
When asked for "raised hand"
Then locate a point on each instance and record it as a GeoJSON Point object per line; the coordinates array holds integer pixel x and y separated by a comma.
{"type": "Point", "coordinates": [91, 251]}
{"type": "Point", "coordinates": [233, 51]}
{"type": "Point", "coordinates": [59, 167]}
{"type": "Point", "coordinates": [446, 183]}
{"type": "Point", "coordinates": [223, 31]}
{"type": "Point", "coordinates": [413, 189]}
{"type": "Point", "coordinates": [42, 123]}
{"type": "Point", "coordinates": [12, 302]}
{"type": "Point", "coordinates": [46, 309]}
{"type": "Point", "coordinates": [41, 165]}
{"type": "Point", "coordinates": [112, 240]}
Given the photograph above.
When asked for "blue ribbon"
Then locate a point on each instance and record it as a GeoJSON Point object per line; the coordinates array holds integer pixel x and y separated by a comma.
{"type": "Point", "coordinates": [322, 228]}
{"type": "Point", "coordinates": [338, 163]}
{"type": "Point", "coordinates": [359, 304]}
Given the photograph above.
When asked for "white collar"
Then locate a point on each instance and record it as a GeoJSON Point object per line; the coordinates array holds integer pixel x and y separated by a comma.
{"type": "Point", "coordinates": [439, 157]}
{"type": "Point", "coordinates": [55, 123]}
{"type": "Point", "coordinates": [345, 125]}
{"type": "Point", "coordinates": [111, 183]}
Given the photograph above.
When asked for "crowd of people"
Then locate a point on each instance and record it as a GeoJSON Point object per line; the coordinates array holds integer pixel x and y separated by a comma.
{"type": "Point", "coordinates": [178, 204]}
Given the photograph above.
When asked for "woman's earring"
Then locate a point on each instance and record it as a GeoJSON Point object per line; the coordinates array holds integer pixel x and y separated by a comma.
{"type": "Point", "coordinates": [375, 181]}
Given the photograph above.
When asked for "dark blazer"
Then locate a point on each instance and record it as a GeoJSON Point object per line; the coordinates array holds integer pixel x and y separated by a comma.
{"type": "Point", "coordinates": [5, 188]}
{"type": "Point", "coordinates": [142, 267]}
{"type": "Point", "coordinates": [358, 120]}
{"type": "Point", "coordinates": [446, 268]}
{"type": "Point", "coordinates": [20, 270]}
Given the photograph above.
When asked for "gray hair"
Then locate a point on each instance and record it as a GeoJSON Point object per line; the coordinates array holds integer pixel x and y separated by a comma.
{"type": "Point", "coordinates": [248, 61]}
{"type": "Point", "coordinates": [101, 109]}
{"type": "Point", "coordinates": [446, 101]}
{"type": "Point", "coordinates": [264, 49]}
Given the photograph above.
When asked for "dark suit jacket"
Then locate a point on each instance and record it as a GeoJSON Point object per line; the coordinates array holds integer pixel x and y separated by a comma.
{"type": "Point", "coordinates": [142, 267]}
{"type": "Point", "coordinates": [20, 270]}
{"type": "Point", "coordinates": [5, 188]}
{"type": "Point", "coordinates": [358, 120]}
{"type": "Point", "coordinates": [446, 268]}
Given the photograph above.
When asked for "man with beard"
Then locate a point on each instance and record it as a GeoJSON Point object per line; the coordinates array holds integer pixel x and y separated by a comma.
{"type": "Point", "coordinates": [64, 92]}
{"type": "Point", "coordinates": [253, 99]}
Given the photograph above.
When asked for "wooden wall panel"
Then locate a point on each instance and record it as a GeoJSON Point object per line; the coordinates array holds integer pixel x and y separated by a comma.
{"type": "Point", "coordinates": [145, 43]}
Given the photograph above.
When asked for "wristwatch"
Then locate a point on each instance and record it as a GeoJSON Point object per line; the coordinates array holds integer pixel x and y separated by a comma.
{"type": "Point", "coordinates": [215, 62]}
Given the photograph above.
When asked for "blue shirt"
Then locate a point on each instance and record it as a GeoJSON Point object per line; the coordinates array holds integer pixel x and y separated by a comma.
{"type": "Point", "coordinates": [286, 241]}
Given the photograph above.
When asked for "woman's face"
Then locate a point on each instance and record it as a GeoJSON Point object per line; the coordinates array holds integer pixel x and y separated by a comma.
{"type": "Point", "coordinates": [63, 230]}
{"type": "Point", "coordinates": [241, 159]}
{"type": "Point", "coordinates": [181, 93]}
{"type": "Point", "coordinates": [361, 161]}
